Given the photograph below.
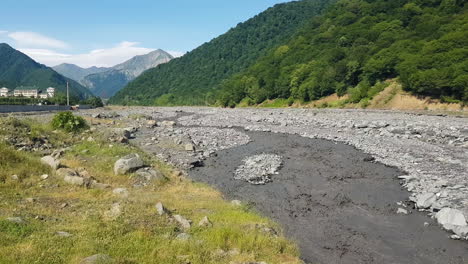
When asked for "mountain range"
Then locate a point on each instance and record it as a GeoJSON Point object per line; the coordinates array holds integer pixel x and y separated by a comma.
{"type": "Point", "coordinates": [192, 78]}
{"type": "Point", "coordinates": [17, 69]}
{"type": "Point", "coordinates": [77, 73]}
{"type": "Point", "coordinates": [105, 82]}
{"type": "Point", "coordinates": [306, 50]}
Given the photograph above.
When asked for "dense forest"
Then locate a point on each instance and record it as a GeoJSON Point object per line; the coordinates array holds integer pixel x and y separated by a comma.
{"type": "Point", "coordinates": [17, 69]}
{"type": "Point", "coordinates": [358, 43]}
{"type": "Point", "coordinates": [192, 78]}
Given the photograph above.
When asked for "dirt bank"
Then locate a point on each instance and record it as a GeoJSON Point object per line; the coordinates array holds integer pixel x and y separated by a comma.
{"type": "Point", "coordinates": [338, 204]}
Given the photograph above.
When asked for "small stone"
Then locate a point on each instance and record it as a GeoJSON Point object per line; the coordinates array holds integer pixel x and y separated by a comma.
{"type": "Point", "coordinates": [63, 234]}
{"type": "Point", "coordinates": [182, 221]}
{"type": "Point", "coordinates": [97, 259]}
{"type": "Point", "coordinates": [14, 177]}
{"type": "Point", "coordinates": [183, 236]}
{"type": "Point", "coordinates": [99, 186]}
{"type": "Point", "coordinates": [70, 176]}
{"type": "Point", "coordinates": [189, 147]}
{"type": "Point", "coordinates": [44, 176]}
{"type": "Point", "coordinates": [205, 222]}
{"type": "Point", "coordinates": [30, 200]}
{"type": "Point", "coordinates": [402, 211]}
{"type": "Point", "coordinates": [122, 192]}
{"type": "Point", "coordinates": [236, 202]}
{"type": "Point", "coordinates": [151, 123]}
{"type": "Point", "coordinates": [114, 212]}
{"type": "Point", "coordinates": [63, 205]}
{"type": "Point", "coordinates": [17, 220]}
{"type": "Point", "coordinates": [161, 209]}
{"type": "Point", "coordinates": [426, 224]}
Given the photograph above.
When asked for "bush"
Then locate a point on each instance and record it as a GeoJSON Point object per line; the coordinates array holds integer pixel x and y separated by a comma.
{"type": "Point", "coordinates": [68, 122]}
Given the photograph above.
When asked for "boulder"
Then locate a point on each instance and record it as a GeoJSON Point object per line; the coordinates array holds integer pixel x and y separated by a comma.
{"type": "Point", "coordinates": [147, 175]}
{"type": "Point", "coordinates": [51, 162]}
{"type": "Point", "coordinates": [97, 259]}
{"type": "Point", "coordinates": [70, 176]}
{"type": "Point", "coordinates": [182, 221]}
{"type": "Point", "coordinates": [425, 200]}
{"type": "Point", "coordinates": [129, 163]}
{"type": "Point", "coordinates": [449, 217]}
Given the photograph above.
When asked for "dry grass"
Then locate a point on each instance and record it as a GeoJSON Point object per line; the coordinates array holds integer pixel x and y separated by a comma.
{"type": "Point", "coordinates": [139, 234]}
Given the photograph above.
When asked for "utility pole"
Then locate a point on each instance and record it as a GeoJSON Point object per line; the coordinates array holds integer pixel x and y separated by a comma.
{"type": "Point", "coordinates": [68, 96]}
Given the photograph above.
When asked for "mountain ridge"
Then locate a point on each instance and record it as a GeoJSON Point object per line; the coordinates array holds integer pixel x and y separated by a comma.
{"type": "Point", "coordinates": [105, 84]}
{"type": "Point", "coordinates": [18, 69]}
{"type": "Point", "coordinates": [76, 72]}
{"type": "Point", "coordinates": [190, 78]}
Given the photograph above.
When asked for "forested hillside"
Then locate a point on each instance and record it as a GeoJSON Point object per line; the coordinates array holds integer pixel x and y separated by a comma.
{"type": "Point", "coordinates": [17, 69]}
{"type": "Point", "coordinates": [192, 78]}
{"type": "Point", "coordinates": [355, 45]}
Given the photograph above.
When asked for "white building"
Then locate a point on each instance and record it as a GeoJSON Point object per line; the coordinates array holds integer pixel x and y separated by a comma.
{"type": "Point", "coordinates": [50, 92]}
{"type": "Point", "coordinates": [4, 92]}
{"type": "Point", "coordinates": [30, 93]}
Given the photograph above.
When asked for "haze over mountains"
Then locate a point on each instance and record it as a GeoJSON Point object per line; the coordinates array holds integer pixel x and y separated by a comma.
{"type": "Point", "coordinates": [17, 69]}
{"type": "Point", "coordinates": [105, 82]}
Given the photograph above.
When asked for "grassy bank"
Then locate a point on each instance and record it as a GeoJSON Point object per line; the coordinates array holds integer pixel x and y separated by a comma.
{"type": "Point", "coordinates": [64, 223]}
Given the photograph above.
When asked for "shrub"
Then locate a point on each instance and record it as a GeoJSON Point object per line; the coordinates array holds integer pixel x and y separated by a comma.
{"type": "Point", "coordinates": [68, 122]}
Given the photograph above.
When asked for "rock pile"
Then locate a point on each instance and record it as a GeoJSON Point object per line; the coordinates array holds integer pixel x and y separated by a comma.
{"type": "Point", "coordinates": [258, 169]}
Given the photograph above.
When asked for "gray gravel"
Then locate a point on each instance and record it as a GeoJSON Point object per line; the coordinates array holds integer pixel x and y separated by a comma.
{"type": "Point", "coordinates": [258, 169]}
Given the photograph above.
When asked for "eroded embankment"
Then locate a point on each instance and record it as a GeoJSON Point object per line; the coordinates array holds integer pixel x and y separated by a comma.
{"type": "Point", "coordinates": [335, 201]}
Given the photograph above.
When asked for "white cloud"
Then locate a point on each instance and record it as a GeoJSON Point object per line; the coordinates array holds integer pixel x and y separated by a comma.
{"type": "Point", "coordinates": [100, 57]}
{"type": "Point", "coordinates": [3, 32]}
{"type": "Point", "coordinates": [36, 40]}
{"type": "Point", "coordinates": [176, 54]}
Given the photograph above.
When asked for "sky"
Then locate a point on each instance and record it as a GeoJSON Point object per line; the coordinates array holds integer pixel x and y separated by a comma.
{"type": "Point", "coordinates": [107, 32]}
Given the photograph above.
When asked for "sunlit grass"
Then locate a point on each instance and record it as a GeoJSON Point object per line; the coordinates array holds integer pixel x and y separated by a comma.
{"type": "Point", "coordinates": [139, 234]}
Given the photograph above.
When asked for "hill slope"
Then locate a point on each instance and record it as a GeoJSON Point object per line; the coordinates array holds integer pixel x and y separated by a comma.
{"type": "Point", "coordinates": [107, 83]}
{"type": "Point", "coordinates": [17, 69]}
{"type": "Point", "coordinates": [189, 79]}
{"type": "Point", "coordinates": [356, 45]}
{"type": "Point", "coordinates": [75, 72]}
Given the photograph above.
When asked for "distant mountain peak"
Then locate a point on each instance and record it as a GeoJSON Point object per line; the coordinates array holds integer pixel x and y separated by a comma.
{"type": "Point", "coordinates": [107, 83]}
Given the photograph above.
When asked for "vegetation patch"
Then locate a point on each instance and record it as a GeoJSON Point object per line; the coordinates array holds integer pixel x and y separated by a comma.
{"type": "Point", "coordinates": [64, 223]}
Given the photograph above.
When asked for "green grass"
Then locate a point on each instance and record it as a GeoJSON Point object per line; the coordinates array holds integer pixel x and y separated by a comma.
{"type": "Point", "coordinates": [139, 235]}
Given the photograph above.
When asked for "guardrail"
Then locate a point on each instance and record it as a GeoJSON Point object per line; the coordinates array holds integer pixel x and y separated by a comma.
{"type": "Point", "coordinates": [37, 108]}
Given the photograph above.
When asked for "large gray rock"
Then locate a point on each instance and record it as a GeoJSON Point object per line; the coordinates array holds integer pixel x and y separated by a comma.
{"type": "Point", "coordinates": [449, 216]}
{"type": "Point", "coordinates": [425, 200]}
{"type": "Point", "coordinates": [182, 221]}
{"type": "Point", "coordinates": [97, 259]}
{"type": "Point", "coordinates": [129, 163]}
{"type": "Point", "coordinates": [70, 176]}
{"type": "Point", "coordinates": [51, 162]}
{"type": "Point", "coordinates": [144, 176]}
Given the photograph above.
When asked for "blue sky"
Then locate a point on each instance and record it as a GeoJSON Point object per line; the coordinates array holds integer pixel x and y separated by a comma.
{"type": "Point", "coordinates": [107, 32]}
